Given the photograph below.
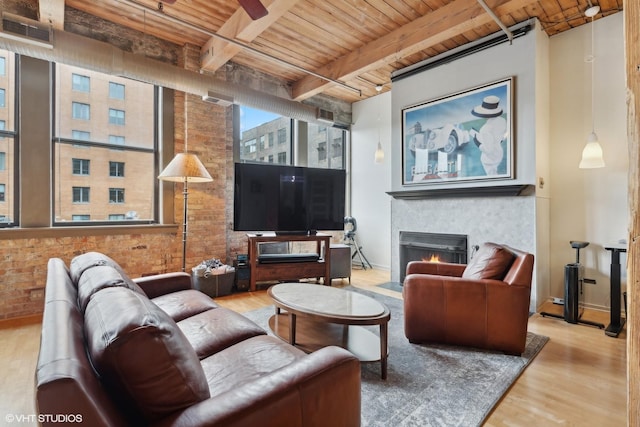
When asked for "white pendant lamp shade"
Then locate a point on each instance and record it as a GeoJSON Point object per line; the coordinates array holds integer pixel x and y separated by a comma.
{"type": "Point", "coordinates": [379, 155]}
{"type": "Point", "coordinates": [185, 166]}
{"type": "Point", "coordinates": [592, 154]}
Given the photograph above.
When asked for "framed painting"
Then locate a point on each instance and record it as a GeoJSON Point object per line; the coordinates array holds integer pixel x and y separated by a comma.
{"type": "Point", "coordinates": [462, 137]}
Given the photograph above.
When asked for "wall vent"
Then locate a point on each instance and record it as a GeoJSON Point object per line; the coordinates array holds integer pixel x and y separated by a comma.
{"type": "Point", "coordinates": [218, 99]}
{"type": "Point", "coordinates": [324, 116]}
{"type": "Point", "coordinates": [26, 30]}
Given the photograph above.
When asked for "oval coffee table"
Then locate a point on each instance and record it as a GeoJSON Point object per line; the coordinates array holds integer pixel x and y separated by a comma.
{"type": "Point", "coordinates": [318, 316]}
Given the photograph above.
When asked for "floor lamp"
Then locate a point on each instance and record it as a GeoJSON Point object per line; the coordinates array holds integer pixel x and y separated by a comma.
{"type": "Point", "coordinates": [185, 168]}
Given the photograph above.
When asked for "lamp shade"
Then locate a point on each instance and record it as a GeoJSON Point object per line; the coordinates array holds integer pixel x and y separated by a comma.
{"type": "Point", "coordinates": [185, 166]}
{"type": "Point", "coordinates": [379, 155]}
{"type": "Point", "coordinates": [592, 154]}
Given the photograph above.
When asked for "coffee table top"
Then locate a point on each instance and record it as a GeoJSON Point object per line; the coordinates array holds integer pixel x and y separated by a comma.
{"type": "Point", "coordinates": [325, 301]}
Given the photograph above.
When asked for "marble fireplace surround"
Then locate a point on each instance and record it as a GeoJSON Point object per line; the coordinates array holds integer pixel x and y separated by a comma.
{"type": "Point", "coordinates": [509, 220]}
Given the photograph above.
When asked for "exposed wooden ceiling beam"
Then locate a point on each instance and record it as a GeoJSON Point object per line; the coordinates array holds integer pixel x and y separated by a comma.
{"type": "Point", "coordinates": [216, 52]}
{"type": "Point", "coordinates": [429, 30]}
{"type": "Point", "coordinates": [52, 12]}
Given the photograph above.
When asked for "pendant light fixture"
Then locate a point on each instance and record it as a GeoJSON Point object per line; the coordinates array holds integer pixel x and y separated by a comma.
{"type": "Point", "coordinates": [379, 154]}
{"type": "Point", "coordinates": [592, 152]}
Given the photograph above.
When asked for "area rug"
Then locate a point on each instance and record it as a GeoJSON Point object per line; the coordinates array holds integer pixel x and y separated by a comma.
{"type": "Point", "coordinates": [431, 385]}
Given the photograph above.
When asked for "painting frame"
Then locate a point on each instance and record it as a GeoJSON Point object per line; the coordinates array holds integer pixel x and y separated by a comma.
{"type": "Point", "coordinates": [463, 137]}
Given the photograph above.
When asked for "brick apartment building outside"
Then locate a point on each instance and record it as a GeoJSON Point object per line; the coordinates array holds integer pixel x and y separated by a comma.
{"type": "Point", "coordinates": [7, 85]}
{"type": "Point", "coordinates": [105, 182]}
{"type": "Point", "coordinates": [271, 143]}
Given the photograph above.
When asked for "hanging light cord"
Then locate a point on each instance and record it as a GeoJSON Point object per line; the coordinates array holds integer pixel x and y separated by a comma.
{"type": "Point", "coordinates": [593, 79]}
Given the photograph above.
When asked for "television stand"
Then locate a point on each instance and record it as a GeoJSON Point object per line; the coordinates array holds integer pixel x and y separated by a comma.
{"type": "Point", "coordinates": [291, 266]}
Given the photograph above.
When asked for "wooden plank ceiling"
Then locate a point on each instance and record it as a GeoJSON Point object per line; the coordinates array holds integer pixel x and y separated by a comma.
{"type": "Point", "coordinates": [342, 48]}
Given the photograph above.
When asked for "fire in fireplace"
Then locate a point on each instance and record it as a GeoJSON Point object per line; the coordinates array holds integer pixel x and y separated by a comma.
{"type": "Point", "coordinates": [435, 247]}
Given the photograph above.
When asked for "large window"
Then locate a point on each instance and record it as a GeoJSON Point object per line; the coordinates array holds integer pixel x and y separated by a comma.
{"type": "Point", "coordinates": [257, 130]}
{"type": "Point", "coordinates": [95, 199]}
{"type": "Point", "coordinates": [269, 138]}
{"type": "Point", "coordinates": [8, 137]}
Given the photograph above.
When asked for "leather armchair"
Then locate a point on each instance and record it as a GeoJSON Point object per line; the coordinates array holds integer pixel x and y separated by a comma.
{"type": "Point", "coordinates": [484, 304]}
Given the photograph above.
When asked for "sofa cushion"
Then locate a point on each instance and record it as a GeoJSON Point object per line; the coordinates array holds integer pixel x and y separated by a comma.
{"type": "Point", "coordinates": [247, 361]}
{"type": "Point", "coordinates": [82, 263]}
{"type": "Point", "coordinates": [182, 304]}
{"type": "Point", "coordinates": [214, 330]}
{"type": "Point", "coordinates": [99, 277]}
{"type": "Point", "coordinates": [491, 261]}
{"type": "Point", "coordinates": [141, 355]}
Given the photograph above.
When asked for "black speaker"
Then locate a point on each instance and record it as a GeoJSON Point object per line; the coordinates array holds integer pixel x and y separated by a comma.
{"type": "Point", "coordinates": [243, 275]}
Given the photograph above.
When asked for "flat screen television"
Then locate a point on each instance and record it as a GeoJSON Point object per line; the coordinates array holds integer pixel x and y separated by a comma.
{"type": "Point", "coordinates": [288, 199]}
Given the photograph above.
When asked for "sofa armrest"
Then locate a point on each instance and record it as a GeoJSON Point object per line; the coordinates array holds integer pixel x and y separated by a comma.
{"type": "Point", "coordinates": [437, 268]}
{"type": "Point", "coordinates": [320, 389]}
{"type": "Point", "coordinates": [166, 283]}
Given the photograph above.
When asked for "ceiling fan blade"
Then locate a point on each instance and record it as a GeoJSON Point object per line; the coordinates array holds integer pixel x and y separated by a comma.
{"type": "Point", "coordinates": [254, 8]}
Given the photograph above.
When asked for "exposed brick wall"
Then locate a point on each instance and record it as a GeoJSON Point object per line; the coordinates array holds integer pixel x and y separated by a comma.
{"type": "Point", "coordinates": [23, 263]}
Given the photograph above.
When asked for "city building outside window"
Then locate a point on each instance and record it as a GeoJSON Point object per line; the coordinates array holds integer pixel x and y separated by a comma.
{"type": "Point", "coordinates": [80, 83]}
{"type": "Point", "coordinates": [116, 169]}
{"type": "Point", "coordinates": [116, 90]}
{"type": "Point", "coordinates": [116, 195]}
{"type": "Point", "coordinates": [116, 117]}
{"type": "Point", "coordinates": [97, 201]}
{"type": "Point", "coordinates": [81, 194]}
{"type": "Point", "coordinates": [322, 151]}
{"type": "Point", "coordinates": [116, 139]}
{"type": "Point", "coordinates": [81, 135]}
{"type": "Point", "coordinates": [8, 134]}
{"type": "Point", "coordinates": [80, 166]}
{"type": "Point", "coordinates": [81, 111]}
{"type": "Point", "coordinates": [257, 133]}
{"type": "Point", "coordinates": [282, 158]}
{"type": "Point", "coordinates": [326, 146]}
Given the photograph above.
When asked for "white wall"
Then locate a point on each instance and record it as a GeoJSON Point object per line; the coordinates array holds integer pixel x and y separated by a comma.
{"type": "Point", "coordinates": [370, 204]}
{"type": "Point", "coordinates": [588, 204]}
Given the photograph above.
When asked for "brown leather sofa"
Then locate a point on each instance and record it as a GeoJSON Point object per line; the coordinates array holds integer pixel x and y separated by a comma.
{"type": "Point", "coordinates": [152, 351]}
{"type": "Point", "coordinates": [484, 304]}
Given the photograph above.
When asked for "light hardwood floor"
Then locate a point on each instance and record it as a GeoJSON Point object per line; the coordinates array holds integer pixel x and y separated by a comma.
{"type": "Point", "coordinates": [578, 379]}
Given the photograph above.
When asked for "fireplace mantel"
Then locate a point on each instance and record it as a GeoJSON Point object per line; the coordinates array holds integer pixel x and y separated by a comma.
{"type": "Point", "coordinates": [492, 191]}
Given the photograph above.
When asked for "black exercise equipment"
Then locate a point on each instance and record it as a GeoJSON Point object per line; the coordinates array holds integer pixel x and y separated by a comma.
{"type": "Point", "coordinates": [573, 281]}
{"type": "Point", "coordinates": [350, 239]}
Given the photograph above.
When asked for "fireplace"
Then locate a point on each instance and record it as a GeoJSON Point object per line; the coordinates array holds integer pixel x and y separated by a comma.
{"type": "Point", "coordinates": [416, 246]}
